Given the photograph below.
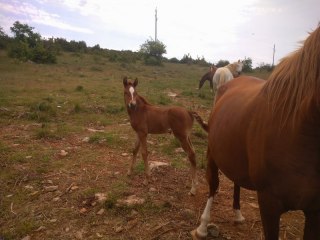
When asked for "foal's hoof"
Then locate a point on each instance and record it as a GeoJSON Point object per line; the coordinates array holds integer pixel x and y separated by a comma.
{"type": "Point", "coordinates": [195, 235]}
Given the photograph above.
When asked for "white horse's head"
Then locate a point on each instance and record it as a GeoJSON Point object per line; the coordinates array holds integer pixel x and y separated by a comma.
{"type": "Point", "coordinates": [236, 68]}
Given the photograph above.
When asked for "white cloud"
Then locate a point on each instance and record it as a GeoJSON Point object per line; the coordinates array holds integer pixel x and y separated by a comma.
{"type": "Point", "coordinates": [36, 15]}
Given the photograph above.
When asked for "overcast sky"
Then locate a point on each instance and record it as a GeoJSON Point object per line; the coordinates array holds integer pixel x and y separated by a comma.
{"type": "Point", "coordinates": [228, 30]}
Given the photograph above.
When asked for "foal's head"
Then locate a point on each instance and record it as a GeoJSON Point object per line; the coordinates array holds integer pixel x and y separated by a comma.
{"type": "Point", "coordinates": [130, 93]}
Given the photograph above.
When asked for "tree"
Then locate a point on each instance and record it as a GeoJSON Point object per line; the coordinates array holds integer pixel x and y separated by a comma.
{"type": "Point", "coordinates": [28, 45]}
{"type": "Point", "coordinates": [153, 51]}
{"type": "Point", "coordinates": [4, 39]}
{"type": "Point", "coordinates": [264, 67]}
{"type": "Point", "coordinates": [222, 63]}
{"type": "Point", "coordinates": [247, 65]}
{"type": "Point", "coordinates": [24, 33]}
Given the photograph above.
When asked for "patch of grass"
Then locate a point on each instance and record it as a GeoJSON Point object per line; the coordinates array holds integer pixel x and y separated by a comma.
{"type": "Point", "coordinates": [21, 229]}
{"type": "Point", "coordinates": [45, 133]}
{"type": "Point", "coordinates": [163, 100]}
{"type": "Point", "coordinates": [42, 112]}
{"type": "Point", "coordinates": [139, 167]}
{"type": "Point", "coordinates": [177, 162]}
{"type": "Point", "coordinates": [79, 88]}
{"type": "Point", "coordinates": [77, 108]}
{"type": "Point", "coordinates": [117, 190]}
{"type": "Point", "coordinates": [110, 139]}
{"type": "Point", "coordinates": [114, 109]}
{"type": "Point", "coordinates": [96, 69]}
{"type": "Point", "coordinates": [187, 93]}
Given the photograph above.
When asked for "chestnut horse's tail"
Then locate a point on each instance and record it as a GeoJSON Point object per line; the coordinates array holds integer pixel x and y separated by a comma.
{"type": "Point", "coordinates": [200, 121]}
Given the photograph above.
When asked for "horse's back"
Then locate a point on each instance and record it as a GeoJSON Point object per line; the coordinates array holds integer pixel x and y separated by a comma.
{"type": "Point", "coordinates": [180, 120]}
{"type": "Point", "coordinates": [221, 76]}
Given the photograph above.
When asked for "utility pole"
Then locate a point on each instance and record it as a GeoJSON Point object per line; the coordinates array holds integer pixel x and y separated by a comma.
{"type": "Point", "coordinates": [156, 22]}
{"type": "Point", "coordinates": [274, 50]}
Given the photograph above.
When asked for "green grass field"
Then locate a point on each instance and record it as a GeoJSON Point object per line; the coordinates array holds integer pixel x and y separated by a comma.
{"type": "Point", "coordinates": [44, 108]}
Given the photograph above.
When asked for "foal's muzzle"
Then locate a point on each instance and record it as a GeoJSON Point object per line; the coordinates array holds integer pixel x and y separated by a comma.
{"type": "Point", "coordinates": [132, 105]}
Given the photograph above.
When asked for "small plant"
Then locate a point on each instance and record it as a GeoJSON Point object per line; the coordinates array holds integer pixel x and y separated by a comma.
{"type": "Point", "coordinates": [77, 108]}
{"type": "Point", "coordinates": [103, 138]}
{"type": "Point", "coordinates": [79, 88]}
{"type": "Point", "coordinates": [42, 112]}
{"type": "Point", "coordinates": [114, 109]}
{"type": "Point", "coordinates": [45, 133]}
{"type": "Point", "coordinates": [164, 100]}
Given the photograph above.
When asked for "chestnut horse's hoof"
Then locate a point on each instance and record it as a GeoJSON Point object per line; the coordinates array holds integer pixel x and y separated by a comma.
{"type": "Point", "coordinates": [238, 218]}
{"type": "Point", "coordinates": [195, 235]}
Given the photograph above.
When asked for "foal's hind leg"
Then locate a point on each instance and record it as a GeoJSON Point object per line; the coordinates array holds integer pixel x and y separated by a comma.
{"type": "Point", "coordinates": [144, 153]}
{"type": "Point", "coordinates": [187, 147]}
{"type": "Point", "coordinates": [236, 204]}
{"type": "Point", "coordinates": [134, 156]}
{"type": "Point", "coordinates": [213, 179]}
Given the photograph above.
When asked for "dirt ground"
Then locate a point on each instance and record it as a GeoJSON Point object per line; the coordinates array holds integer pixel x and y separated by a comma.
{"type": "Point", "coordinates": [63, 201]}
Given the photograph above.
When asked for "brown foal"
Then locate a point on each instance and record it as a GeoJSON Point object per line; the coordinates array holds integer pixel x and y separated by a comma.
{"type": "Point", "coordinates": [146, 118]}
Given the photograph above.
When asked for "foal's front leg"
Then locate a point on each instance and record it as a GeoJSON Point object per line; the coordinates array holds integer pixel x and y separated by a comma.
{"type": "Point", "coordinates": [134, 156]}
{"type": "Point", "coordinates": [144, 153]}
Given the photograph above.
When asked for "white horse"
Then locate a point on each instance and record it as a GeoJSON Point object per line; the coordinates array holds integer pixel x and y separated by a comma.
{"type": "Point", "coordinates": [226, 73]}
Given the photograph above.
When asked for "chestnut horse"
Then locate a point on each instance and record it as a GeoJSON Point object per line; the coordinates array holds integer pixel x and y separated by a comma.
{"type": "Point", "coordinates": [265, 136]}
{"type": "Point", "coordinates": [146, 118]}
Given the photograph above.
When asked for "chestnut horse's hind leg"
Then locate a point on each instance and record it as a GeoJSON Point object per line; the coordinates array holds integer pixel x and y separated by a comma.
{"type": "Point", "coordinates": [213, 180]}
{"type": "Point", "coordinates": [236, 204]}
{"type": "Point", "coordinates": [312, 225]}
{"type": "Point", "coordinates": [134, 156]}
{"type": "Point", "coordinates": [187, 147]}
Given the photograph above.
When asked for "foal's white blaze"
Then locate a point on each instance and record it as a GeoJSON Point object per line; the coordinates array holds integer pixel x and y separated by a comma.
{"type": "Point", "coordinates": [131, 90]}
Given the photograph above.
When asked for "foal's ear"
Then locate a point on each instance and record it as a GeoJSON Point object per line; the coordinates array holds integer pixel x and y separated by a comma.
{"type": "Point", "coordinates": [135, 83]}
{"type": "Point", "coordinates": [125, 81]}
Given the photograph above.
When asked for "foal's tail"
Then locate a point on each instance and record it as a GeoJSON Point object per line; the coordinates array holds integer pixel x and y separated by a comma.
{"type": "Point", "coordinates": [200, 121]}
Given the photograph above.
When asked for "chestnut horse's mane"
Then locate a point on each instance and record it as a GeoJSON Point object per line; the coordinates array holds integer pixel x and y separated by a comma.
{"type": "Point", "coordinates": [294, 85]}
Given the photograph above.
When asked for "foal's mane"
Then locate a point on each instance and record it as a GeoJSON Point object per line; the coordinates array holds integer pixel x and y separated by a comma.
{"type": "Point", "coordinates": [294, 85]}
{"type": "Point", "coordinates": [144, 100]}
